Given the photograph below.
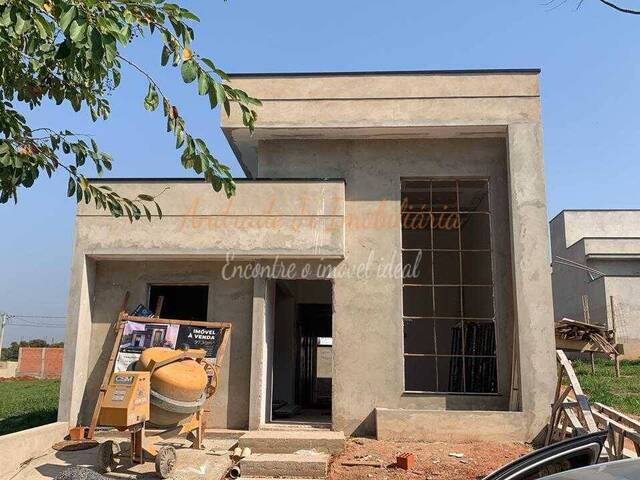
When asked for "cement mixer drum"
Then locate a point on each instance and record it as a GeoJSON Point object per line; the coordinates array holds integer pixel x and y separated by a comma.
{"type": "Point", "coordinates": [178, 389]}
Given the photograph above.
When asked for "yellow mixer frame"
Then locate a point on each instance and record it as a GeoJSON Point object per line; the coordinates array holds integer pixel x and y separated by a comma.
{"type": "Point", "coordinates": [126, 406]}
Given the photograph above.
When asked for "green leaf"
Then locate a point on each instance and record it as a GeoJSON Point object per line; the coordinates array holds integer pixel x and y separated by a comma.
{"type": "Point", "coordinates": [189, 71]}
{"type": "Point", "coordinates": [208, 63]}
{"type": "Point", "coordinates": [64, 50]}
{"type": "Point", "coordinates": [151, 100]}
{"type": "Point", "coordinates": [21, 25]}
{"type": "Point", "coordinates": [110, 48]}
{"type": "Point", "coordinates": [213, 98]}
{"type": "Point", "coordinates": [220, 92]}
{"type": "Point", "coordinates": [68, 17]}
{"type": "Point", "coordinates": [5, 20]}
{"type": "Point", "coordinates": [158, 210]}
{"type": "Point", "coordinates": [189, 16]}
{"type": "Point", "coordinates": [45, 29]}
{"type": "Point", "coordinates": [145, 197]}
{"type": "Point", "coordinates": [203, 83]}
{"type": "Point", "coordinates": [71, 187]}
{"type": "Point", "coordinates": [164, 56]}
{"type": "Point", "coordinates": [78, 30]}
{"type": "Point", "coordinates": [95, 44]}
{"type": "Point", "coordinates": [147, 212]}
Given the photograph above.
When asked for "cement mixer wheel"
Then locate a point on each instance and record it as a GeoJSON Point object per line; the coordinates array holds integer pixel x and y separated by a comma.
{"type": "Point", "coordinates": [165, 461]}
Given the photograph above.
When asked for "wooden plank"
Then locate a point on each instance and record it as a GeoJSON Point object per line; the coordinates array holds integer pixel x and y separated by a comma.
{"type": "Point", "coordinates": [105, 381]}
{"type": "Point", "coordinates": [575, 422]}
{"type": "Point", "coordinates": [577, 345]}
{"type": "Point", "coordinates": [576, 323]}
{"type": "Point", "coordinates": [131, 318]}
{"type": "Point", "coordinates": [581, 398]}
{"type": "Point", "coordinates": [159, 303]}
{"type": "Point", "coordinates": [617, 416]}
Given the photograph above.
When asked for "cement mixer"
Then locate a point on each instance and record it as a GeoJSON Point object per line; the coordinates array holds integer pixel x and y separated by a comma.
{"type": "Point", "coordinates": [168, 389]}
{"type": "Point", "coordinates": [179, 388]}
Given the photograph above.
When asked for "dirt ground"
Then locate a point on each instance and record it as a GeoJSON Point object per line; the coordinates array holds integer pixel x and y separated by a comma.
{"type": "Point", "coordinates": [432, 460]}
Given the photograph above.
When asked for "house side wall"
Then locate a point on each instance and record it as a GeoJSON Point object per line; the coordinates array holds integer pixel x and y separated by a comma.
{"type": "Point", "coordinates": [626, 301]}
{"type": "Point", "coordinates": [570, 283]}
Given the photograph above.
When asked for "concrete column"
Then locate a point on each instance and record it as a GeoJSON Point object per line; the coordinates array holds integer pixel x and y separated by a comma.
{"type": "Point", "coordinates": [42, 354]}
{"type": "Point", "coordinates": [532, 275]}
{"type": "Point", "coordinates": [77, 338]}
{"type": "Point", "coordinates": [261, 338]}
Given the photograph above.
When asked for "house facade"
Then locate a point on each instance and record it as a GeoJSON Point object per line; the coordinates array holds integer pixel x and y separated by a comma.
{"type": "Point", "coordinates": [608, 243]}
{"type": "Point", "coordinates": [384, 265]}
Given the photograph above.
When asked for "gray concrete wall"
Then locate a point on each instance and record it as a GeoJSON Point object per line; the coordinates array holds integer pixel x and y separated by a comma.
{"type": "Point", "coordinates": [229, 301]}
{"type": "Point", "coordinates": [266, 218]}
{"type": "Point", "coordinates": [626, 302]}
{"type": "Point", "coordinates": [8, 369]}
{"type": "Point", "coordinates": [569, 283]}
{"type": "Point", "coordinates": [368, 314]}
{"type": "Point", "coordinates": [600, 223]}
{"type": "Point", "coordinates": [20, 448]}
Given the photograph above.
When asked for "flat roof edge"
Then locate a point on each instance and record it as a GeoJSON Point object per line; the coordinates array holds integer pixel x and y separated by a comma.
{"type": "Point", "coordinates": [202, 180]}
{"type": "Point", "coordinates": [487, 71]}
{"type": "Point", "coordinates": [565, 210]}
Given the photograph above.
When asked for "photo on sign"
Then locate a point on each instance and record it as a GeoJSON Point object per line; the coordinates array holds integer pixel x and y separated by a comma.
{"type": "Point", "coordinates": [137, 337]}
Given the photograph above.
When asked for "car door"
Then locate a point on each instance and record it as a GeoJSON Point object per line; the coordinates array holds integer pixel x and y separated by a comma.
{"type": "Point", "coordinates": [566, 455]}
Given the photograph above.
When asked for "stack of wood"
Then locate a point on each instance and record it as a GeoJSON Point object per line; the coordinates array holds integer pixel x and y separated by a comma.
{"type": "Point", "coordinates": [585, 337]}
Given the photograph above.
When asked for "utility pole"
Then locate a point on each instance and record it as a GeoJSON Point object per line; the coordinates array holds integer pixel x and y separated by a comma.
{"type": "Point", "coordinates": [3, 322]}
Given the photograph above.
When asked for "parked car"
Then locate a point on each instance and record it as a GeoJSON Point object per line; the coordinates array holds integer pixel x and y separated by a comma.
{"type": "Point", "coordinates": [565, 456]}
{"type": "Point", "coordinates": [628, 469]}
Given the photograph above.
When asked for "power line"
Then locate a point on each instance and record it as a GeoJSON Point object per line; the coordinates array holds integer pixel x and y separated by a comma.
{"type": "Point", "coordinates": [15, 315]}
{"type": "Point", "coordinates": [34, 326]}
{"type": "Point", "coordinates": [32, 322]}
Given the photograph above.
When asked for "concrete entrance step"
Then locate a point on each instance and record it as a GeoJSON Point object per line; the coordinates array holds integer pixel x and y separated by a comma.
{"type": "Point", "coordinates": [284, 465]}
{"type": "Point", "coordinates": [291, 441]}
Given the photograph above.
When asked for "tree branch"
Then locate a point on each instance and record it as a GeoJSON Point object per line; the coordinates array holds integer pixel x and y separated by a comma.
{"type": "Point", "coordinates": [620, 9]}
{"type": "Point", "coordinates": [139, 69]}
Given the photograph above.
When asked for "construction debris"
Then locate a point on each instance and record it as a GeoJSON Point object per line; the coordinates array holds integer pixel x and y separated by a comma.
{"type": "Point", "coordinates": [572, 415]}
{"type": "Point", "coordinates": [587, 337]}
{"type": "Point", "coordinates": [406, 461]}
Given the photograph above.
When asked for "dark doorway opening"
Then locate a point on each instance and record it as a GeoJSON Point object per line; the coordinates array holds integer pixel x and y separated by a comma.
{"type": "Point", "coordinates": [181, 302]}
{"type": "Point", "coordinates": [302, 353]}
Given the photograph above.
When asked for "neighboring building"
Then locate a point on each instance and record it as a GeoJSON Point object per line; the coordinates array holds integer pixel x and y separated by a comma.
{"type": "Point", "coordinates": [45, 362]}
{"type": "Point", "coordinates": [607, 241]}
{"type": "Point", "coordinates": [350, 178]}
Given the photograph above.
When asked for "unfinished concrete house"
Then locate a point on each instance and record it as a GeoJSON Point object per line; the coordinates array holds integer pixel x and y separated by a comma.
{"type": "Point", "coordinates": [607, 293]}
{"type": "Point", "coordinates": [384, 264]}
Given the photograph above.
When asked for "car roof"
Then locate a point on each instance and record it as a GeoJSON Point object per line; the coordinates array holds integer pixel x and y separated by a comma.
{"type": "Point", "coordinates": [628, 469]}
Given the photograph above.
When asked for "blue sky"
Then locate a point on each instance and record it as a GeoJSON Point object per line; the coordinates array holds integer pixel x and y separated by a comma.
{"type": "Point", "coordinates": [590, 103]}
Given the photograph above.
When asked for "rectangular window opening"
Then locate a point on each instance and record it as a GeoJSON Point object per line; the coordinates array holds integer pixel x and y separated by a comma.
{"type": "Point", "coordinates": [180, 302]}
{"type": "Point", "coordinates": [448, 287]}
